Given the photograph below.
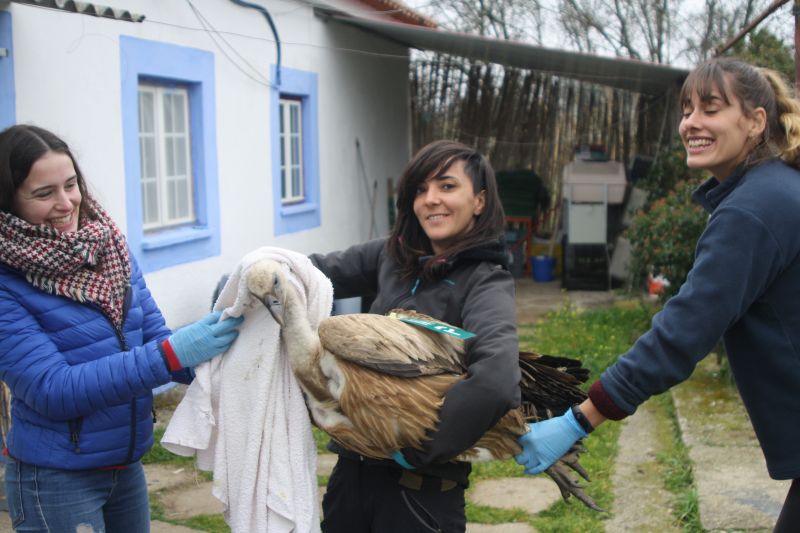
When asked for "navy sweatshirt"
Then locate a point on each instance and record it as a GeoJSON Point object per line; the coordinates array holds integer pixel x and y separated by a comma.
{"type": "Point", "coordinates": [744, 287]}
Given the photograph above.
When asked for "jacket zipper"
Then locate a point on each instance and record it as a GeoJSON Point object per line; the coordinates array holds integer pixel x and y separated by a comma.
{"type": "Point", "coordinates": [74, 433]}
{"type": "Point", "coordinates": [124, 346]}
{"type": "Point", "coordinates": [403, 297]}
{"type": "Point", "coordinates": [76, 423]}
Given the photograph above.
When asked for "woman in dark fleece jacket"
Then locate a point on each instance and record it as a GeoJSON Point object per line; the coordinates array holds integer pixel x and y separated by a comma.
{"type": "Point", "coordinates": [741, 124]}
{"type": "Point", "coordinates": [444, 258]}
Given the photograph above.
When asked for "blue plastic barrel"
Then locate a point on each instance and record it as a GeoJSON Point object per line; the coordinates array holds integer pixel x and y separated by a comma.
{"type": "Point", "coordinates": [543, 267]}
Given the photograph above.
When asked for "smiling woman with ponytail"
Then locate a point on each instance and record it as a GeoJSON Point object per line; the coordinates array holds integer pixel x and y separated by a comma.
{"type": "Point", "coordinates": [741, 124]}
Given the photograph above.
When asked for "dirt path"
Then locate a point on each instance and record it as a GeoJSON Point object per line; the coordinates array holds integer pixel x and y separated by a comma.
{"type": "Point", "coordinates": [641, 503]}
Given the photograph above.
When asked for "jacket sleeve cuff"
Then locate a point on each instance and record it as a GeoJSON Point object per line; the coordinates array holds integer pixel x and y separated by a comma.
{"type": "Point", "coordinates": [603, 402]}
{"type": "Point", "coordinates": [170, 359]}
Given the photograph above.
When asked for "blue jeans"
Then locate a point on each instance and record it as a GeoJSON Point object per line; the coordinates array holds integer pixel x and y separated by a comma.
{"type": "Point", "coordinates": [91, 501]}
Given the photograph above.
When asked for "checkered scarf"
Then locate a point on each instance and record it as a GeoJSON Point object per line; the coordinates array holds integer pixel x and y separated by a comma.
{"type": "Point", "coordinates": [87, 265]}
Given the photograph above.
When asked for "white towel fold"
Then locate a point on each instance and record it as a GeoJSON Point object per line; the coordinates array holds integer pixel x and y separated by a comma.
{"type": "Point", "coordinates": [244, 416]}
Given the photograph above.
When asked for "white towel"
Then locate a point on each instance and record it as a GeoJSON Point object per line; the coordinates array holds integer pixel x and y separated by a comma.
{"type": "Point", "coordinates": [244, 416]}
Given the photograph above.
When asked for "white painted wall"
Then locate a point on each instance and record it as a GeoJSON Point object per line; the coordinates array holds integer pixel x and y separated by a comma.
{"type": "Point", "coordinates": [67, 74]}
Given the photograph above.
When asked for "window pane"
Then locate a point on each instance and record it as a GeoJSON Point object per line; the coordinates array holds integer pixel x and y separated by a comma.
{"type": "Point", "coordinates": [180, 156]}
{"type": "Point", "coordinates": [295, 150]}
{"type": "Point", "coordinates": [295, 181]}
{"type": "Point", "coordinates": [146, 112]}
{"type": "Point", "coordinates": [169, 154]}
{"type": "Point", "coordinates": [178, 109]}
{"type": "Point", "coordinates": [172, 204]}
{"type": "Point", "coordinates": [149, 152]}
{"type": "Point", "coordinates": [183, 199]}
{"type": "Point", "coordinates": [150, 197]}
{"type": "Point", "coordinates": [294, 126]}
{"type": "Point", "coordinates": [168, 118]}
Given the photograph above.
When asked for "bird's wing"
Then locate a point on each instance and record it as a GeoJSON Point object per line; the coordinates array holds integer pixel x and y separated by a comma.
{"type": "Point", "coordinates": [549, 384]}
{"type": "Point", "coordinates": [391, 346]}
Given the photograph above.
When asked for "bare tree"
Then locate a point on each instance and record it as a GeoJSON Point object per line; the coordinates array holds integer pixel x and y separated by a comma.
{"type": "Point", "coordinates": [662, 31]}
{"type": "Point", "coordinates": [639, 29]}
{"type": "Point", "coordinates": [502, 19]}
{"type": "Point", "coordinates": [719, 21]}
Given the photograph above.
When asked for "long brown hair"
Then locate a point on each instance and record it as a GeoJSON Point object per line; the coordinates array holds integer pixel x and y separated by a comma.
{"type": "Point", "coordinates": [20, 147]}
{"type": "Point", "coordinates": [753, 87]}
{"type": "Point", "coordinates": [408, 241]}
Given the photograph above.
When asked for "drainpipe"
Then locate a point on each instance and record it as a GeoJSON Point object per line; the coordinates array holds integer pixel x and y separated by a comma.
{"type": "Point", "coordinates": [267, 16]}
{"type": "Point", "coordinates": [796, 13]}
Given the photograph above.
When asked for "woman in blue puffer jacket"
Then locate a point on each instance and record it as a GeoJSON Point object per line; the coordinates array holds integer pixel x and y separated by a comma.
{"type": "Point", "coordinates": [82, 344]}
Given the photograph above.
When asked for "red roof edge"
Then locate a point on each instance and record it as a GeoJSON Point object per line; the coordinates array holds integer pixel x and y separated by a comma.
{"type": "Point", "coordinates": [400, 12]}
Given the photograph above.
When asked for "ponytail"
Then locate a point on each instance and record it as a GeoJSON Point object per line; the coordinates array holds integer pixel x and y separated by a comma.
{"type": "Point", "coordinates": [787, 137]}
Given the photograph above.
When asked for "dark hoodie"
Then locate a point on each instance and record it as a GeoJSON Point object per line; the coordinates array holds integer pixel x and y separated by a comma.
{"type": "Point", "coordinates": [472, 290]}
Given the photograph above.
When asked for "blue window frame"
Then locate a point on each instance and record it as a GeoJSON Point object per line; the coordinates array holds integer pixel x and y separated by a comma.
{"type": "Point", "coordinates": [144, 65]}
{"type": "Point", "coordinates": [295, 151]}
{"type": "Point", "coordinates": [8, 101]}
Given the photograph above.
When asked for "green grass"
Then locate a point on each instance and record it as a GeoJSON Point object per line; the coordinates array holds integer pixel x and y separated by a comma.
{"type": "Point", "coordinates": [678, 476]}
{"type": "Point", "coordinates": [596, 337]}
{"type": "Point", "coordinates": [321, 439]}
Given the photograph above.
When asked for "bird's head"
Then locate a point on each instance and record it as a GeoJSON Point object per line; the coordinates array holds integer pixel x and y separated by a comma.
{"type": "Point", "coordinates": [267, 282]}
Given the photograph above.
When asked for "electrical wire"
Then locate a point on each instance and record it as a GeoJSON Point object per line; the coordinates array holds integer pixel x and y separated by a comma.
{"type": "Point", "coordinates": [212, 32]}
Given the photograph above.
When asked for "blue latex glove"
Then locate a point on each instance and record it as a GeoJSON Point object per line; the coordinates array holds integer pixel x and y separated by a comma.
{"type": "Point", "coordinates": [547, 441]}
{"type": "Point", "coordinates": [202, 340]}
{"type": "Point", "coordinates": [397, 455]}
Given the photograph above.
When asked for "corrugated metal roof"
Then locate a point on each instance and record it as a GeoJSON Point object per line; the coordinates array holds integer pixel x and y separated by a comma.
{"type": "Point", "coordinates": [630, 74]}
{"type": "Point", "coordinates": [86, 8]}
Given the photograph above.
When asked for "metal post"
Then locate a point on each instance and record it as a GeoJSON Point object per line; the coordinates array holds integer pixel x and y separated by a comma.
{"type": "Point", "coordinates": [796, 13]}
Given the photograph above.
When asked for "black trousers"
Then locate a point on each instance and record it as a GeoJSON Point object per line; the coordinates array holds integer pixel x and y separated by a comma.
{"type": "Point", "coordinates": [371, 498]}
{"type": "Point", "coordinates": [789, 519]}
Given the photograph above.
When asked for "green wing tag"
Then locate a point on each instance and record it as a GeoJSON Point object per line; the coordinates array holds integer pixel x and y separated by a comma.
{"type": "Point", "coordinates": [439, 327]}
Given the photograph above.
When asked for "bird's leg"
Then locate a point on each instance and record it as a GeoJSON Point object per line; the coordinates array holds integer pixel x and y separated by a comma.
{"type": "Point", "coordinates": [568, 486]}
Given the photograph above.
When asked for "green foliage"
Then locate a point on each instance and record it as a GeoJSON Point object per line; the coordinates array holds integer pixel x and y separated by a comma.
{"type": "Point", "coordinates": [764, 49]}
{"type": "Point", "coordinates": [668, 169]}
{"type": "Point", "coordinates": [663, 235]}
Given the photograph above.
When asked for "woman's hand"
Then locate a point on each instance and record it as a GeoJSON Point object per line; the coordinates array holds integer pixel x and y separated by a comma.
{"type": "Point", "coordinates": [202, 340]}
{"type": "Point", "coordinates": [547, 441]}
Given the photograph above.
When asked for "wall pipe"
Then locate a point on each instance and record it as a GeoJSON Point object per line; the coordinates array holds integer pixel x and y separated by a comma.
{"type": "Point", "coordinates": [263, 10]}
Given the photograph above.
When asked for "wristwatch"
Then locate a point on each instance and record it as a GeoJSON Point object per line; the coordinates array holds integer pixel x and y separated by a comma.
{"type": "Point", "coordinates": [581, 418]}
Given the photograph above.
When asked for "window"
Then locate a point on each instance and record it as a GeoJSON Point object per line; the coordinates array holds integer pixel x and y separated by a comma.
{"type": "Point", "coordinates": [169, 134]}
{"type": "Point", "coordinates": [164, 150]}
{"type": "Point", "coordinates": [295, 153]}
{"type": "Point", "coordinates": [291, 133]}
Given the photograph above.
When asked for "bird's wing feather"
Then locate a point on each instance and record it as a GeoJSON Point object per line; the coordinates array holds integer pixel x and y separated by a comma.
{"type": "Point", "coordinates": [390, 346]}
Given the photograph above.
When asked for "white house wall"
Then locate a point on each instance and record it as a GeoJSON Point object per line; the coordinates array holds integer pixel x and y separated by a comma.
{"type": "Point", "coordinates": [67, 76]}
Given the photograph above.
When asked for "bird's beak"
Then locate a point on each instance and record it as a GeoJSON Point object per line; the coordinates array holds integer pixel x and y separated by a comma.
{"type": "Point", "coordinates": [269, 302]}
{"type": "Point", "coordinates": [275, 314]}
